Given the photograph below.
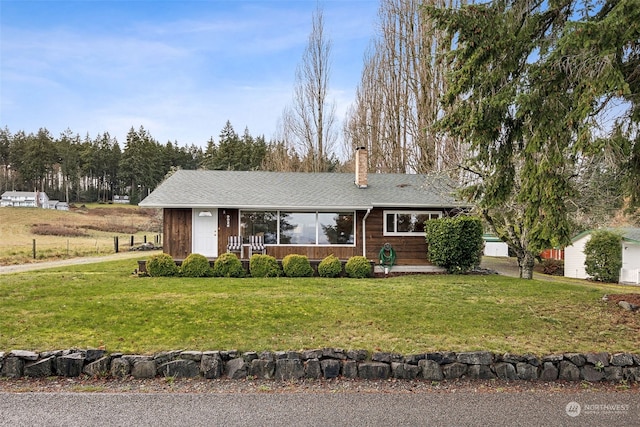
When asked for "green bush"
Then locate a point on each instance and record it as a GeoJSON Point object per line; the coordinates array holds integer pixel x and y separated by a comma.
{"type": "Point", "coordinates": [358, 267]}
{"type": "Point", "coordinates": [603, 256]}
{"type": "Point", "coordinates": [196, 265]}
{"type": "Point", "coordinates": [162, 265]}
{"type": "Point", "coordinates": [264, 266]}
{"type": "Point", "coordinates": [295, 265]}
{"type": "Point", "coordinates": [331, 266]}
{"type": "Point", "coordinates": [228, 265]}
{"type": "Point", "coordinates": [455, 243]}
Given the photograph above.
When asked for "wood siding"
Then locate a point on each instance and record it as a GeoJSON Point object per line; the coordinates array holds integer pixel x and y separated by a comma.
{"type": "Point", "coordinates": [409, 250]}
{"type": "Point", "coordinates": [177, 231]}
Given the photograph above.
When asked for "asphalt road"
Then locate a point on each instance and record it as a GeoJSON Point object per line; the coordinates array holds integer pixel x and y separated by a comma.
{"type": "Point", "coordinates": [320, 409]}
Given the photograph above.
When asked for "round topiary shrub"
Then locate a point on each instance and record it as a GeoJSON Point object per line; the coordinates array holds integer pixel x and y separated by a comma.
{"type": "Point", "coordinates": [228, 265]}
{"type": "Point", "coordinates": [358, 267]}
{"type": "Point", "coordinates": [196, 265]}
{"type": "Point", "coordinates": [162, 265]}
{"type": "Point", "coordinates": [330, 267]}
{"type": "Point", "coordinates": [295, 265]}
{"type": "Point", "coordinates": [603, 256]}
{"type": "Point", "coordinates": [264, 266]}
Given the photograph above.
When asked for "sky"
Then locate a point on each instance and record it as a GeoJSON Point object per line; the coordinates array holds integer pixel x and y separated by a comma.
{"type": "Point", "coordinates": [181, 69]}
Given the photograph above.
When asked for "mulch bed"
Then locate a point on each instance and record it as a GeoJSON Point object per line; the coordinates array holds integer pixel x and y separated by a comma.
{"type": "Point", "coordinates": [630, 298]}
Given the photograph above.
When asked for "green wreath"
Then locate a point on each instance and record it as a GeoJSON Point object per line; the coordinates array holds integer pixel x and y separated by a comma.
{"type": "Point", "coordinates": [387, 255]}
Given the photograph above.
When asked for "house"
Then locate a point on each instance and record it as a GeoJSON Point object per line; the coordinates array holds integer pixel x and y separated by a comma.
{"type": "Point", "coordinates": [574, 256]}
{"type": "Point", "coordinates": [24, 199]}
{"type": "Point", "coordinates": [312, 214]}
{"type": "Point", "coordinates": [121, 199]}
{"type": "Point", "coordinates": [493, 246]}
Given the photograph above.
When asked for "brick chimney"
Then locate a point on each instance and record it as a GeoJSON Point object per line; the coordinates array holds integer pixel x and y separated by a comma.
{"type": "Point", "coordinates": [361, 167]}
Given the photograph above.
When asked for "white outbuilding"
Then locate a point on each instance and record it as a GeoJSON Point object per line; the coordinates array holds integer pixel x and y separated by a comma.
{"type": "Point", "coordinates": [493, 246]}
{"type": "Point", "coordinates": [574, 256]}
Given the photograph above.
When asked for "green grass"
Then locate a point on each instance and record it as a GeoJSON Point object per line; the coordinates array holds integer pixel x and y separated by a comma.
{"type": "Point", "coordinates": [104, 304]}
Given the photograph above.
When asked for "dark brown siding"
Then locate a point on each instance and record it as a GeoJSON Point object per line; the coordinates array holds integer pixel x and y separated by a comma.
{"type": "Point", "coordinates": [409, 250]}
{"type": "Point", "coordinates": [223, 231]}
{"type": "Point", "coordinates": [177, 232]}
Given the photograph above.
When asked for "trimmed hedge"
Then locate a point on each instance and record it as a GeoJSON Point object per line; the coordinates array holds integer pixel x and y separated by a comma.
{"type": "Point", "coordinates": [330, 266]}
{"type": "Point", "coordinates": [162, 265]}
{"type": "Point", "coordinates": [603, 256]}
{"type": "Point", "coordinates": [264, 266]}
{"type": "Point", "coordinates": [228, 265]}
{"type": "Point", "coordinates": [196, 265]}
{"type": "Point", "coordinates": [455, 243]}
{"type": "Point", "coordinates": [295, 265]}
{"type": "Point", "coordinates": [358, 267]}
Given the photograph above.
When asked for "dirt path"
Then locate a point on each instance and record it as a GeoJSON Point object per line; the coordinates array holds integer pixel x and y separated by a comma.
{"type": "Point", "coordinates": [8, 269]}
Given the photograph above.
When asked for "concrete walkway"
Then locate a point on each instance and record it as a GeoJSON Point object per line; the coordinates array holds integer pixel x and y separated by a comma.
{"type": "Point", "coordinates": [8, 269]}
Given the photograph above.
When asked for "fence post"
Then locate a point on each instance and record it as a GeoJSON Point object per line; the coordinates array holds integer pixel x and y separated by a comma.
{"type": "Point", "coordinates": [34, 248]}
{"type": "Point", "coordinates": [115, 243]}
{"type": "Point", "coordinates": [145, 238]}
{"type": "Point", "coordinates": [131, 241]}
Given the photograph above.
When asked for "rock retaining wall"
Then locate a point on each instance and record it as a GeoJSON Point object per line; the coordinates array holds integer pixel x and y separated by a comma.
{"type": "Point", "coordinates": [323, 363]}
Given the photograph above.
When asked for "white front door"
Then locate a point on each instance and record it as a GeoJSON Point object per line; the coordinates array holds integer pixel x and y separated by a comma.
{"type": "Point", "coordinates": [205, 232]}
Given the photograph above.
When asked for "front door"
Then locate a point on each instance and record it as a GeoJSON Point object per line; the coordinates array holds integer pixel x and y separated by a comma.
{"type": "Point", "coordinates": [205, 232]}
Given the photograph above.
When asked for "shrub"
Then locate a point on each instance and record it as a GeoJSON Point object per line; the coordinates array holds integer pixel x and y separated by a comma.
{"type": "Point", "coordinates": [358, 267]}
{"type": "Point", "coordinates": [603, 256]}
{"type": "Point", "coordinates": [553, 267]}
{"type": "Point", "coordinates": [196, 265]}
{"type": "Point", "coordinates": [228, 265]}
{"type": "Point", "coordinates": [264, 266]}
{"type": "Point", "coordinates": [455, 243]}
{"type": "Point", "coordinates": [295, 265]}
{"type": "Point", "coordinates": [331, 266]}
{"type": "Point", "coordinates": [162, 265]}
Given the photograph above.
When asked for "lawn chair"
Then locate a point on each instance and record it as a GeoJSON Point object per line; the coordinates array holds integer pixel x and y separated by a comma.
{"type": "Point", "coordinates": [235, 244]}
{"type": "Point", "coordinates": [256, 244]}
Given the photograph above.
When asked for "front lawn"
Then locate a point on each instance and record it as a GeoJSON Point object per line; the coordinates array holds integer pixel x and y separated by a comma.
{"type": "Point", "coordinates": [88, 306]}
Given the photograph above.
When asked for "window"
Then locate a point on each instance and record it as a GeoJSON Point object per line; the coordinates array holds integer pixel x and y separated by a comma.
{"type": "Point", "coordinates": [299, 228]}
{"type": "Point", "coordinates": [407, 223]}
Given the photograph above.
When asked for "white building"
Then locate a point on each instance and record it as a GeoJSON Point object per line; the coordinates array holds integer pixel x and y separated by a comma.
{"type": "Point", "coordinates": [493, 246]}
{"type": "Point", "coordinates": [574, 256]}
{"type": "Point", "coordinates": [24, 199]}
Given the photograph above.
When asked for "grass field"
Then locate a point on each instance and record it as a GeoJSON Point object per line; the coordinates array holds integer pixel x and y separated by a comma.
{"type": "Point", "coordinates": [104, 304]}
{"type": "Point", "coordinates": [63, 234]}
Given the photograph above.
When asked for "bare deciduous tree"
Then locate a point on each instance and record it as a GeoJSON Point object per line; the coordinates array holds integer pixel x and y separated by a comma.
{"type": "Point", "coordinates": [309, 123]}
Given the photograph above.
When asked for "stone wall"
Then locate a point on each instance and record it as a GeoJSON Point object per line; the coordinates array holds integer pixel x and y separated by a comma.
{"type": "Point", "coordinates": [323, 363]}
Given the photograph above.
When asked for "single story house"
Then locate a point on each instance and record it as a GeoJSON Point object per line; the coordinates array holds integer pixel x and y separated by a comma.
{"type": "Point", "coordinates": [494, 246]}
{"type": "Point", "coordinates": [574, 256]}
{"type": "Point", "coordinates": [24, 199]}
{"type": "Point", "coordinates": [312, 214]}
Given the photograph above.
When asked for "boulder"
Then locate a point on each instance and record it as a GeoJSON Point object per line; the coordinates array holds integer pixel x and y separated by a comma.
{"type": "Point", "coordinates": [431, 370]}
{"type": "Point", "coordinates": [144, 369]}
{"type": "Point", "coordinates": [404, 371]}
{"type": "Point", "coordinates": [591, 373]}
{"type": "Point", "coordinates": [31, 356]}
{"type": "Point", "coordinates": [334, 353]}
{"type": "Point", "coordinates": [236, 369]}
{"type": "Point", "coordinates": [374, 371]}
{"type": "Point", "coordinates": [549, 372]}
{"type": "Point", "coordinates": [568, 371]}
{"type": "Point", "coordinates": [196, 356]}
{"type": "Point", "coordinates": [289, 369]}
{"type": "Point", "coordinates": [480, 372]}
{"type": "Point", "coordinates": [614, 373]}
{"type": "Point", "coordinates": [40, 369]}
{"type": "Point", "coordinates": [312, 368]}
{"type": "Point", "coordinates": [505, 371]}
{"type": "Point", "coordinates": [120, 367]}
{"type": "Point", "coordinates": [13, 367]}
{"type": "Point", "coordinates": [383, 357]}
{"type": "Point", "coordinates": [99, 367]}
{"type": "Point", "coordinates": [71, 365]}
{"type": "Point", "coordinates": [598, 359]}
{"type": "Point", "coordinates": [357, 355]}
{"type": "Point", "coordinates": [526, 371]}
{"type": "Point", "coordinates": [454, 370]}
{"type": "Point", "coordinates": [180, 368]}
{"type": "Point", "coordinates": [442, 357]}
{"type": "Point", "coordinates": [211, 365]}
{"type": "Point", "coordinates": [350, 369]}
{"type": "Point", "coordinates": [475, 358]}
{"type": "Point", "coordinates": [576, 358]}
{"type": "Point", "coordinates": [263, 369]}
{"type": "Point", "coordinates": [91, 355]}
{"type": "Point", "coordinates": [622, 359]}
{"type": "Point", "coordinates": [330, 368]}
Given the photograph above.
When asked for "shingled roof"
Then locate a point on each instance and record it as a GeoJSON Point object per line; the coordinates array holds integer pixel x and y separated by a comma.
{"type": "Point", "coordinates": [297, 190]}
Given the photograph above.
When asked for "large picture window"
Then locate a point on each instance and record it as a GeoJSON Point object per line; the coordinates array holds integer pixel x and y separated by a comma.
{"type": "Point", "coordinates": [299, 228]}
{"type": "Point", "coordinates": [407, 223]}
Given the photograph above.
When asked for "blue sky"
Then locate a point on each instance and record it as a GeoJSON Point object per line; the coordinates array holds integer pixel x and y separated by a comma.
{"type": "Point", "coordinates": [179, 68]}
